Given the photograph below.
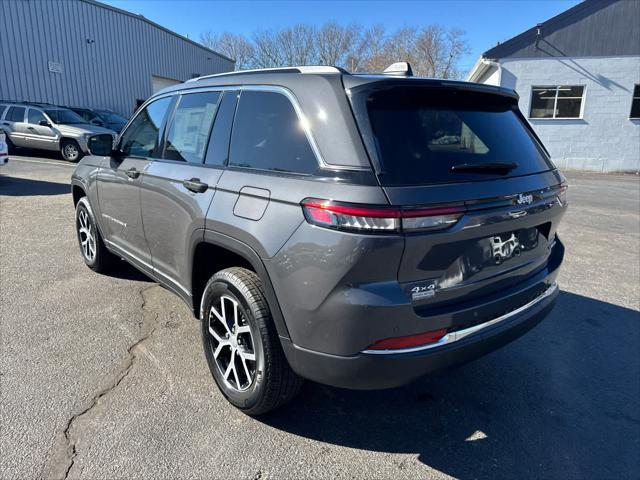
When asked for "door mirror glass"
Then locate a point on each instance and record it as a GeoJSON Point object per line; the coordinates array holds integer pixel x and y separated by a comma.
{"type": "Point", "coordinates": [44, 123]}
{"type": "Point", "coordinates": [101, 145]}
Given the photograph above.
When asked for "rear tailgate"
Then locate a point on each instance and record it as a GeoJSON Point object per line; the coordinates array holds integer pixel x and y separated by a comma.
{"type": "Point", "coordinates": [442, 144]}
{"type": "Point", "coordinates": [499, 241]}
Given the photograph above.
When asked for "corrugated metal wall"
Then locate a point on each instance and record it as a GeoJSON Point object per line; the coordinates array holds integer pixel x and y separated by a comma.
{"type": "Point", "coordinates": [108, 57]}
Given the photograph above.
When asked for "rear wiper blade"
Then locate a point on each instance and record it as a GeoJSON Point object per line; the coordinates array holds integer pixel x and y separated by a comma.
{"type": "Point", "coordinates": [495, 167]}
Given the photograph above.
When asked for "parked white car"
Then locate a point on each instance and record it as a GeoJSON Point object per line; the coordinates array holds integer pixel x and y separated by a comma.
{"type": "Point", "coordinates": [4, 150]}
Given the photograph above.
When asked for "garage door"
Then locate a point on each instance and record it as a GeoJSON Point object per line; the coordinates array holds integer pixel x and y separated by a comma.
{"type": "Point", "coordinates": [161, 82]}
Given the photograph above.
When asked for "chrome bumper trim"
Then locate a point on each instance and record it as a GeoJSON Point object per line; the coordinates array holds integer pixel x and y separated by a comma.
{"type": "Point", "coordinates": [460, 334]}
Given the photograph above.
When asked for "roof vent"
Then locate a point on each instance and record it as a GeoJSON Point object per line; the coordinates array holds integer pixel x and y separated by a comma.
{"type": "Point", "coordinates": [399, 69]}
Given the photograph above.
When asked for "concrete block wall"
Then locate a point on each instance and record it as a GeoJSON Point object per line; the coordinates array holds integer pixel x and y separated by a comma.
{"type": "Point", "coordinates": [605, 139]}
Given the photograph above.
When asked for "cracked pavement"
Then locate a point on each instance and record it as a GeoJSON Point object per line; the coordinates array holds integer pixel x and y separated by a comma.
{"type": "Point", "coordinates": [104, 376]}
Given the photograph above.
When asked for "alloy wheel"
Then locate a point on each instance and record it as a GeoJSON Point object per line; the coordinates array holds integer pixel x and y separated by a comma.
{"type": "Point", "coordinates": [87, 238]}
{"type": "Point", "coordinates": [70, 151]}
{"type": "Point", "coordinates": [232, 344]}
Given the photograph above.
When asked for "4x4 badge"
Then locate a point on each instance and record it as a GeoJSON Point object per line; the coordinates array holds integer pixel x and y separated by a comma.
{"type": "Point", "coordinates": [523, 199]}
{"type": "Point", "coordinates": [423, 291]}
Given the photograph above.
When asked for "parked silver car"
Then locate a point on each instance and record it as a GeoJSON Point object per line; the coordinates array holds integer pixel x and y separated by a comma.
{"type": "Point", "coordinates": [47, 127]}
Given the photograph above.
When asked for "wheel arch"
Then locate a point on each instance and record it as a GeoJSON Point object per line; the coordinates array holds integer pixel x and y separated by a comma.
{"type": "Point", "coordinates": [216, 251]}
{"type": "Point", "coordinates": [77, 191]}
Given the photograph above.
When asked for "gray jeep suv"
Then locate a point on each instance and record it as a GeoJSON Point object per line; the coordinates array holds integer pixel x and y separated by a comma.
{"type": "Point", "coordinates": [360, 231]}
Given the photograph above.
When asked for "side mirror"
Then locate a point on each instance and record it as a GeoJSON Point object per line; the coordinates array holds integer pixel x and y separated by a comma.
{"type": "Point", "coordinates": [100, 145]}
{"type": "Point", "coordinates": [44, 123]}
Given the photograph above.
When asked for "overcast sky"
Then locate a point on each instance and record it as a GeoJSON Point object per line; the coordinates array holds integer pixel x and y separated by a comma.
{"type": "Point", "coordinates": [486, 22]}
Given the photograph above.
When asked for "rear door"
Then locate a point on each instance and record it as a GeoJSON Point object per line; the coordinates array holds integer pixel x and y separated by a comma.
{"type": "Point", "coordinates": [471, 154]}
{"type": "Point", "coordinates": [177, 188]}
{"type": "Point", "coordinates": [119, 183]}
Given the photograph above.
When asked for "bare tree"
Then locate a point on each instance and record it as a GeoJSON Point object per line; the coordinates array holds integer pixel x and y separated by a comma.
{"type": "Point", "coordinates": [232, 45]}
{"type": "Point", "coordinates": [432, 50]}
{"type": "Point", "coordinates": [370, 54]}
{"type": "Point", "coordinates": [334, 43]}
{"type": "Point", "coordinates": [296, 45]}
{"type": "Point", "coordinates": [266, 51]}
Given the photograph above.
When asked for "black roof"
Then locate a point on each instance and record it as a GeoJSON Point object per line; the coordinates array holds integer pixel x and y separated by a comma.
{"type": "Point", "coordinates": [590, 29]}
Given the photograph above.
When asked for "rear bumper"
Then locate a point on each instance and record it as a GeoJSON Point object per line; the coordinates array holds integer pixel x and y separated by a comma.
{"type": "Point", "coordinates": [366, 371]}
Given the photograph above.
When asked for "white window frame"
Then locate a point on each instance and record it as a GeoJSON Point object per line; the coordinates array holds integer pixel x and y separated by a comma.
{"type": "Point", "coordinates": [555, 102]}
{"type": "Point", "coordinates": [634, 98]}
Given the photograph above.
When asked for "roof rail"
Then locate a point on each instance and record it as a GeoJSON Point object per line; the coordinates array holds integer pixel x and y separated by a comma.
{"type": "Point", "coordinates": [301, 69]}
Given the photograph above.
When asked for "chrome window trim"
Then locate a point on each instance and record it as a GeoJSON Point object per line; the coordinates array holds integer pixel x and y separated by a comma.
{"type": "Point", "coordinates": [460, 334]}
{"type": "Point", "coordinates": [257, 88]}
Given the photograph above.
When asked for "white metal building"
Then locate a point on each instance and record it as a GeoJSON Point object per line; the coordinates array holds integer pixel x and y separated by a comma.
{"type": "Point", "coordinates": [85, 53]}
{"type": "Point", "coordinates": [578, 77]}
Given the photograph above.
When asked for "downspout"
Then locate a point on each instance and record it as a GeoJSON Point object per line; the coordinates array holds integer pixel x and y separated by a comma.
{"type": "Point", "coordinates": [492, 63]}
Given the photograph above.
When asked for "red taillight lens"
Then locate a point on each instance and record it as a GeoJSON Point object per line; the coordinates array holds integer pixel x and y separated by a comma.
{"type": "Point", "coordinates": [410, 341]}
{"type": "Point", "coordinates": [330, 214]}
{"type": "Point", "coordinates": [562, 193]}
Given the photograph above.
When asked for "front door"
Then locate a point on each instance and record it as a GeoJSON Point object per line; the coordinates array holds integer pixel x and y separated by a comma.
{"type": "Point", "coordinates": [119, 184]}
{"type": "Point", "coordinates": [39, 132]}
{"type": "Point", "coordinates": [178, 189]}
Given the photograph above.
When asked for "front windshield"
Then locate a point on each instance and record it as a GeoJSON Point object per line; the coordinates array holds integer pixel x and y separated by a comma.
{"type": "Point", "coordinates": [111, 117]}
{"type": "Point", "coordinates": [64, 116]}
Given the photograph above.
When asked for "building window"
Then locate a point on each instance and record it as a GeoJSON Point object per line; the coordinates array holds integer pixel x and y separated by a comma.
{"type": "Point", "coordinates": [635, 103]}
{"type": "Point", "coordinates": [561, 101]}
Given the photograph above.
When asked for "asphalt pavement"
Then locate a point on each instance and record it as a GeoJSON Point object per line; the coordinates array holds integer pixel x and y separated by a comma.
{"type": "Point", "coordinates": [104, 376]}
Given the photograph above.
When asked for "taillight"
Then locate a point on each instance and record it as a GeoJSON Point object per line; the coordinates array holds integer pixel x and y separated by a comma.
{"type": "Point", "coordinates": [329, 214]}
{"type": "Point", "coordinates": [410, 341]}
{"type": "Point", "coordinates": [562, 194]}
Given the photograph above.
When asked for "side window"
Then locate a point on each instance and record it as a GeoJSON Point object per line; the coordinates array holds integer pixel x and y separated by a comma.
{"type": "Point", "coordinates": [34, 117]}
{"type": "Point", "coordinates": [141, 138]}
{"type": "Point", "coordinates": [268, 135]}
{"type": "Point", "coordinates": [218, 149]}
{"type": "Point", "coordinates": [188, 133]}
{"type": "Point", "coordinates": [15, 114]}
{"type": "Point", "coordinates": [86, 115]}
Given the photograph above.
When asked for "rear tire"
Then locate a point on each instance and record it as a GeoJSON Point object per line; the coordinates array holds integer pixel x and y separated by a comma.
{"type": "Point", "coordinates": [93, 250]}
{"type": "Point", "coordinates": [236, 327]}
{"type": "Point", "coordinates": [70, 150]}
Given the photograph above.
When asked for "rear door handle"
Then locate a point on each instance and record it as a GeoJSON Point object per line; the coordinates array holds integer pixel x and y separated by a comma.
{"type": "Point", "coordinates": [6, 123]}
{"type": "Point", "coordinates": [195, 185]}
{"type": "Point", "coordinates": [132, 173]}
{"type": "Point", "coordinates": [31, 128]}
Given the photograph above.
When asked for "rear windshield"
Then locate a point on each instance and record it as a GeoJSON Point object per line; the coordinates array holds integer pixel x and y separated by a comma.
{"type": "Point", "coordinates": [424, 135]}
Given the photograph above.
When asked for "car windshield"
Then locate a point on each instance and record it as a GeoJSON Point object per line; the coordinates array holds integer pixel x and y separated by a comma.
{"type": "Point", "coordinates": [111, 117]}
{"type": "Point", "coordinates": [427, 135]}
{"type": "Point", "coordinates": [64, 116]}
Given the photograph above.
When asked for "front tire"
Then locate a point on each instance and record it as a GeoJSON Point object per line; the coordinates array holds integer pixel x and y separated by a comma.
{"type": "Point", "coordinates": [70, 150]}
{"type": "Point", "coordinates": [94, 252]}
{"type": "Point", "coordinates": [241, 343]}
